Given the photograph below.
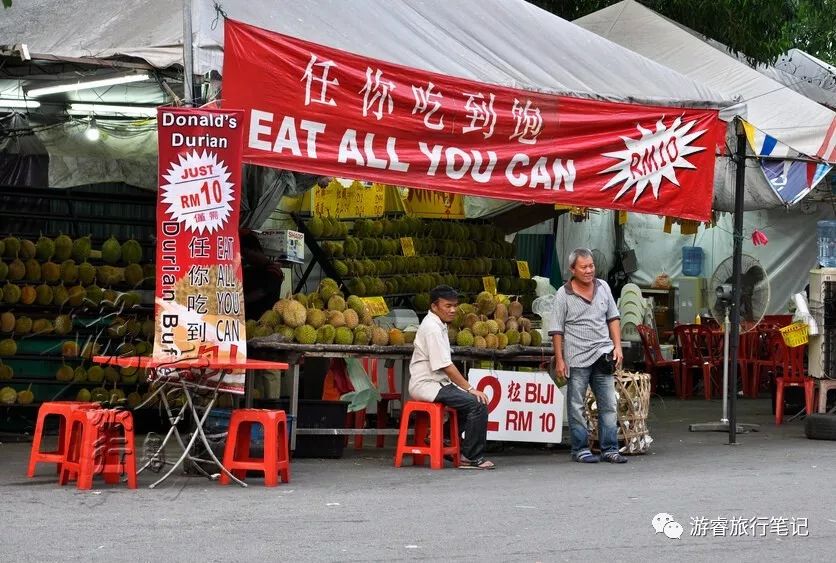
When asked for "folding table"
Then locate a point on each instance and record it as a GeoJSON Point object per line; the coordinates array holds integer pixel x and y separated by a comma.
{"type": "Point", "coordinates": [171, 372]}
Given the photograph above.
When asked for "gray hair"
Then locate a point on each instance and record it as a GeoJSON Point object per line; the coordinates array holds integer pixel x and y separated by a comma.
{"type": "Point", "coordinates": [578, 253]}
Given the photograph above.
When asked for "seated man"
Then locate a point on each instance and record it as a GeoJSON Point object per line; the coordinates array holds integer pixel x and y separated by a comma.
{"type": "Point", "coordinates": [435, 379]}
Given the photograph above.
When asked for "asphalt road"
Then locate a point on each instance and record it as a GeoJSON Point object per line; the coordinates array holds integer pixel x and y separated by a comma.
{"type": "Point", "coordinates": [537, 506]}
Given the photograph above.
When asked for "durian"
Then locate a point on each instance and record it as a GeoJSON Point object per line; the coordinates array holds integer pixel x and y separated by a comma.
{"type": "Point", "coordinates": [305, 334]}
{"type": "Point", "coordinates": [111, 251]}
{"type": "Point", "coordinates": [351, 318]}
{"type": "Point", "coordinates": [344, 336]}
{"type": "Point", "coordinates": [294, 314]}
{"type": "Point", "coordinates": [336, 319]}
{"type": "Point", "coordinates": [379, 336]}
{"type": "Point", "coordinates": [396, 337]}
{"type": "Point", "coordinates": [316, 318]}
{"type": "Point", "coordinates": [326, 334]}
{"type": "Point", "coordinates": [464, 338]}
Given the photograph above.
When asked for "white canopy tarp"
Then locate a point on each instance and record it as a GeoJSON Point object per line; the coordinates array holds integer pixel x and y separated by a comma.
{"type": "Point", "coordinates": [508, 42]}
{"type": "Point", "coordinates": [771, 107]}
{"type": "Point", "coordinates": [791, 118]}
{"type": "Point", "coordinates": [808, 68]}
{"type": "Point", "coordinates": [788, 257]}
{"type": "Point", "coordinates": [802, 86]}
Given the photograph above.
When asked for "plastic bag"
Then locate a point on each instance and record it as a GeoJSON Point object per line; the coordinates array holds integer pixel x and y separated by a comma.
{"type": "Point", "coordinates": [365, 394]}
{"type": "Point", "coordinates": [662, 281]}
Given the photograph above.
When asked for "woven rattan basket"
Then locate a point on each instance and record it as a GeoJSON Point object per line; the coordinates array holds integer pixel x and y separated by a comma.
{"type": "Point", "coordinates": [633, 392]}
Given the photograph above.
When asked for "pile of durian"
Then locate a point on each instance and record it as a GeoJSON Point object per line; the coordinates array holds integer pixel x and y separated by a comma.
{"type": "Point", "coordinates": [324, 317]}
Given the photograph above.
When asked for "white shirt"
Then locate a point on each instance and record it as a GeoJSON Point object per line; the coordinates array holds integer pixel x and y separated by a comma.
{"type": "Point", "coordinates": [430, 355]}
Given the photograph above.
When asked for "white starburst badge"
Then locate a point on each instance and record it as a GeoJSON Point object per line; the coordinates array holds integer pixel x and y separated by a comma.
{"type": "Point", "coordinates": [654, 156]}
{"type": "Point", "coordinates": [198, 192]}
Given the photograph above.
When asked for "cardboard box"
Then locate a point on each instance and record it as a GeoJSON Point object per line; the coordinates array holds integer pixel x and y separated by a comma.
{"type": "Point", "coordinates": [283, 245]}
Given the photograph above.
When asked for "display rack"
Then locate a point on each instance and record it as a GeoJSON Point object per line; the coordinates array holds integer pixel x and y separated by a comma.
{"type": "Point", "coordinates": [127, 213]}
{"type": "Point", "coordinates": [321, 257]}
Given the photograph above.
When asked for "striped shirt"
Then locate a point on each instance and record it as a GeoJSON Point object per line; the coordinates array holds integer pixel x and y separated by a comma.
{"type": "Point", "coordinates": [584, 324]}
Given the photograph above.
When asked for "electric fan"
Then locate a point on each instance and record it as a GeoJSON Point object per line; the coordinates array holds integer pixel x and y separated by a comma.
{"type": "Point", "coordinates": [754, 291]}
{"type": "Point", "coordinates": [754, 299]}
{"type": "Point", "coordinates": [602, 266]}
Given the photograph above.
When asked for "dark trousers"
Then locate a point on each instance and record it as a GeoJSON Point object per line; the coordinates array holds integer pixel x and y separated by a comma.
{"type": "Point", "coordinates": [472, 418]}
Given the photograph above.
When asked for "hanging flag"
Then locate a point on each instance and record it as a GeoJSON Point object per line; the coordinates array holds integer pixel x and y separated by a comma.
{"type": "Point", "coordinates": [321, 110]}
{"type": "Point", "coordinates": [790, 179]}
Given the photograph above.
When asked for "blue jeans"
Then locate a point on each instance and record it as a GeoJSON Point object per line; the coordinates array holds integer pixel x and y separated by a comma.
{"type": "Point", "coordinates": [603, 387]}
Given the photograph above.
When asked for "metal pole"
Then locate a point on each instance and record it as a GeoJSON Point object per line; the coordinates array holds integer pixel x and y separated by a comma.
{"type": "Point", "coordinates": [188, 66]}
{"type": "Point", "coordinates": [725, 418]}
{"type": "Point", "coordinates": [737, 262]}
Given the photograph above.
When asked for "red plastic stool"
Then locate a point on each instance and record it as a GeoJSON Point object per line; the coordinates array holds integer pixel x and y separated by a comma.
{"type": "Point", "coordinates": [429, 420]}
{"type": "Point", "coordinates": [275, 461]}
{"type": "Point", "coordinates": [63, 410]}
{"type": "Point", "coordinates": [95, 446]}
{"type": "Point", "coordinates": [358, 419]}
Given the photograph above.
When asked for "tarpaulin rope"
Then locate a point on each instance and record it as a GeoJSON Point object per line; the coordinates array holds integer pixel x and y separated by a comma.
{"type": "Point", "coordinates": [219, 13]}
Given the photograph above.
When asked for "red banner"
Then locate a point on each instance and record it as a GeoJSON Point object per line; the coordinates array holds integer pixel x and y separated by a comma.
{"type": "Point", "coordinates": [199, 305]}
{"type": "Point", "coordinates": [316, 109]}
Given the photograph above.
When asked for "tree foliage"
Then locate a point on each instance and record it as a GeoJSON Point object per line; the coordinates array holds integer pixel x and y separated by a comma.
{"type": "Point", "coordinates": [760, 29]}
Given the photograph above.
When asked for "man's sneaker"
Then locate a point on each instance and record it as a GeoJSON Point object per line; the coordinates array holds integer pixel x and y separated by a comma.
{"type": "Point", "coordinates": [614, 457]}
{"type": "Point", "coordinates": [585, 457]}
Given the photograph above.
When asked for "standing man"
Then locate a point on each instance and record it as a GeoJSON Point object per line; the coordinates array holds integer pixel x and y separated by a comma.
{"type": "Point", "coordinates": [586, 332]}
{"type": "Point", "coordinates": [434, 378]}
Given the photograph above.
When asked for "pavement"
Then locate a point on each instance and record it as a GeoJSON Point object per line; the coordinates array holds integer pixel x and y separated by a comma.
{"type": "Point", "coordinates": [537, 506]}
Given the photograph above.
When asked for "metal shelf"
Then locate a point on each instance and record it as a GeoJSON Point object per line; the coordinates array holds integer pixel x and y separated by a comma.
{"type": "Point", "coordinates": [44, 357]}
{"type": "Point", "coordinates": [36, 381]}
{"type": "Point", "coordinates": [88, 309]}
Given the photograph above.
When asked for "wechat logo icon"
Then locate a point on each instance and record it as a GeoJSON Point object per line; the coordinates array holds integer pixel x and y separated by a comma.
{"type": "Point", "coordinates": [664, 523]}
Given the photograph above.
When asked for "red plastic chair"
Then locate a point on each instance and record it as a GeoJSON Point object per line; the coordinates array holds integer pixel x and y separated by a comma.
{"type": "Point", "coordinates": [63, 410]}
{"type": "Point", "coordinates": [778, 321]}
{"type": "Point", "coordinates": [697, 346]}
{"type": "Point", "coordinates": [275, 461]}
{"type": "Point", "coordinates": [358, 419]}
{"type": "Point", "coordinates": [391, 394]}
{"type": "Point", "coordinates": [793, 374]}
{"type": "Point", "coordinates": [747, 355]}
{"type": "Point", "coordinates": [654, 361]}
{"type": "Point", "coordinates": [767, 357]}
{"type": "Point", "coordinates": [429, 422]}
{"type": "Point", "coordinates": [100, 441]}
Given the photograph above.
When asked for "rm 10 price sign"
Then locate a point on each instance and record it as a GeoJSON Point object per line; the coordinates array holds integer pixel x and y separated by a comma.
{"type": "Point", "coordinates": [523, 406]}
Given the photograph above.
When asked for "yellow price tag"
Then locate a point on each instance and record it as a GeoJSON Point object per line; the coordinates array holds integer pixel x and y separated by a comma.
{"type": "Point", "coordinates": [377, 306]}
{"type": "Point", "coordinates": [408, 246]}
{"type": "Point", "coordinates": [489, 283]}
{"type": "Point", "coordinates": [343, 200]}
{"type": "Point", "coordinates": [522, 268]}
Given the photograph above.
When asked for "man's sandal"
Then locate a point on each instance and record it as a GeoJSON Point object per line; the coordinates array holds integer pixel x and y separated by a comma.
{"type": "Point", "coordinates": [480, 463]}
